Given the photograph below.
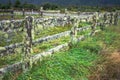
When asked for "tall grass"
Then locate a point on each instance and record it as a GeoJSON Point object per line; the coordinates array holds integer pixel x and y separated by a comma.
{"type": "Point", "coordinates": [74, 64]}
{"type": "Point", "coordinates": [108, 68]}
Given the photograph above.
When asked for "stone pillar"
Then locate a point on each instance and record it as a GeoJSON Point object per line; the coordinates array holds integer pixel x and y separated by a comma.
{"type": "Point", "coordinates": [111, 14]}
{"type": "Point", "coordinates": [58, 13]}
{"type": "Point", "coordinates": [23, 11]}
{"type": "Point", "coordinates": [12, 14]}
{"type": "Point", "coordinates": [73, 33]}
{"type": "Point", "coordinates": [95, 21]}
{"type": "Point", "coordinates": [68, 20]}
{"type": "Point", "coordinates": [66, 12]}
{"type": "Point", "coordinates": [32, 11]}
{"type": "Point", "coordinates": [105, 19]}
{"type": "Point", "coordinates": [109, 18]}
{"type": "Point", "coordinates": [94, 24]}
{"type": "Point", "coordinates": [78, 13]}
{"type": "Point", "coordinates": [41, 11]}
{"type": "Point", "coordinates": [101, 24]}
{"type": "Point", "coordinates": [116, 18]}
{"type": "Point", "coordinates": [28, 37]}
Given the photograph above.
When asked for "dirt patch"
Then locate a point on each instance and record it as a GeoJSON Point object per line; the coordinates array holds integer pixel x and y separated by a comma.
{"type": "Point", "coordinates": [108, 68]}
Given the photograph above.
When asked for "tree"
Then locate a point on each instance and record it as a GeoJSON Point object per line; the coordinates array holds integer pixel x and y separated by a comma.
{"type": "Point", "coordinates": [17, 4]}
{"type": "Point", "coordinates": [9, 4]}
{"type": "Point", "coordinates": [51, 6]}
{"type": "Point", "coordinates": [4, 6]}
{"type": "Point", "coordinates": [29, 6]}
{"type": "Point", "coordinates": [0, 5]}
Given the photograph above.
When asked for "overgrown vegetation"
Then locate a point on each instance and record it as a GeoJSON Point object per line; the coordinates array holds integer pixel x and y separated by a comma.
{"type": "Point", "coordinates": [91, 59]}
{"type": "Point", "coordinates": [96, 58]}
{"type": "Point", "coordinates": [42, 33]}
{"type": "Point", "coordinates": [7, 39]}
{"type": "Point", "coordinates": [10, 59]}
{"type": "Point", "coordinates": [108, 68]}
{"type": "Point", "coordinates": [52, 6]}
{"type": "Point", "coordinates": [74, 64]}
{"type": "Point", "coordinates": [17, 56]}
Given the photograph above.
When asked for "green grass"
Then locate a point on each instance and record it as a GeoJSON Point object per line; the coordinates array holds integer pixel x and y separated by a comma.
{"type": "Point", "coordinates": [91, 45]}
{"type": "Point", "coordinates": [19, 36]}
{"type": "Point", "coordinates": [10, 59]}
{"type": "Point", "coordinates": [77, 63]}
{"type": "Point", "coordinates": [74, 64]}
{"type": "Point", "coordinates": [54, 30]}
{"type": "Point", "coordinates": [85, 32]}
{"type": "Point", "coordinates": [14, 39]}
{"type": "Point", "coordinates": [50, 44]}
{"type": "Point", "coordinates": [108, 67]}
{"type": "Point", "coordinates": [71, 65]}
{"type": "Point", "coordinates": [110, 37]}
{"type": "Point", "coordinates": [82, 24]}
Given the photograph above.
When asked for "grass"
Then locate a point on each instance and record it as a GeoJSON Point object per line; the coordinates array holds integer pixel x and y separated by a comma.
{"type": "Point", "coordinates": [74, 64]}
{"type": "Point", "coordinates": [12, 58]}
{"type": "Point", "coordinates": [54, 30]}
{"type": "Point", "coordinates": [85, 61]}
{"type": "Point", "coordinates": [14, 38]}
{"type": "Point", "coordinates": [108, 67]}
{"type": "Point", "coordinates": [18, 37]}
{"type": "Point", "coordinates": [82, 24]}
{"type": "Point", "coordinates": [50, 44]}
{"type": "Point", "coordinates": [109, 37]}
{"type": "Point", "coordinates": [85, 32]}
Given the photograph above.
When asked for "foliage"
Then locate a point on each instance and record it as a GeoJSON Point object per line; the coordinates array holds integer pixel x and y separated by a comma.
{"type": "Point", "coordinates": [15, 57]}
{"type": "Point", "coordinates": [29, 6]}
{"type": "Point", "coordinates": [91, 45]}
{"type": "Point", "coordinates": [74, 64]}
{"type": "Point", "coordinates": [83, 24]}
{"type": "Point", "coordinates": [4, 6]}
{"type": "Point", "coordinates": [17, 4]}
{"type": "Point", "coordinates": [110, 37]}
{"type": "Point", "coordinates": [16, 38]}
{"type": "Point", "coordinates": [50, 6]}
{"type": "Point", "coordinates": [50, 44]}
{"type": "Point", "coordinates": [54, 30]}
{"type": "Point", "coordinates": [70, 65]}
{"type": "Point", "coordinates": [11, 59]}
{"type": "Point", "coordinates": [108, 67]}
{"type": "Point", "coordinates": [80, 61]}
